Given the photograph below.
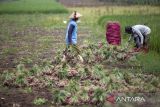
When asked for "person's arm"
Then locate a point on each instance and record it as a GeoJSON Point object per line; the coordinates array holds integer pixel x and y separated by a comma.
{"type": "Point", "coordinates": [71, 28]}
{"type": "Point", "coordinates": [140, 35]}
{"type": "Point", "coordinates": [130, 38]}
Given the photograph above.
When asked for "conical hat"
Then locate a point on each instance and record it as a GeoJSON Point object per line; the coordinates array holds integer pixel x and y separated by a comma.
{"type": "Point", "coordinates": [78, 15]}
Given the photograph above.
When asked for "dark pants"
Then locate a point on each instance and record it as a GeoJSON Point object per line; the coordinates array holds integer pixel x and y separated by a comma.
{"type": "Point", "coordinates": [137, 40]}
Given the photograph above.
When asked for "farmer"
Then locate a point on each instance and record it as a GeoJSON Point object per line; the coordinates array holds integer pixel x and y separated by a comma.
{"type": "Point", "coordinates": [140, 34]}
{"type": "Point", "coordinates": [71, 34]}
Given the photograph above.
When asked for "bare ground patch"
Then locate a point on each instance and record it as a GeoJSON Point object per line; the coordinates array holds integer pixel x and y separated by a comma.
{"type": "Point", "coordinates": [33, 44]}
{"type": "Point", "coordinates": [18, 98]}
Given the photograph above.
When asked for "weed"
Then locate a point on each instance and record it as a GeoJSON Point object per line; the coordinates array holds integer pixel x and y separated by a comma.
{"type": "Point", "coordinates": [20, 80]}
{"type": "Point", "coordinates": [84, 96]}
{"type": "Point", "coordinates": [28, 90]}
{"type": "Point", "coordinates": [39, 101]}
{"type": "Point", "coordinates": [34, 70]}
{"type": "Point", "coordinates": [73, 86]}
{"type": "Point", "coordinates": [63, 73]}
{"type": "Point", "coordinates": [99, 96]}
{"type": "Point", "coordinates": [59, 96]}
{"type": "Point", "coordinates": [98, 71]}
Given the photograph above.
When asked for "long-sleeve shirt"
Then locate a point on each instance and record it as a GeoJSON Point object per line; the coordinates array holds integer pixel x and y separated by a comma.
{"type": "Point", "coordinates": [71, 33]}
{"type": "Point", "coordinates": [141, 31]}
{"type": "Point", "coordinates": [71, 28]}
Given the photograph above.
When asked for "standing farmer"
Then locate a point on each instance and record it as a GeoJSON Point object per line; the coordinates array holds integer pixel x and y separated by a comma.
{"type": "Point", "coordinates": [140, 34]}
{"type": "Point", "coordinates": [71, 34]}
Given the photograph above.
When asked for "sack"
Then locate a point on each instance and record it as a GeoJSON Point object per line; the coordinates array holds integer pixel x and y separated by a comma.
{"type": "Point", "coordinates": [113, 33]}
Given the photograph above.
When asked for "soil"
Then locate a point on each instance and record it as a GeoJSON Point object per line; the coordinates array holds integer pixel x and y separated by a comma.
{"type": "Point", "coordinates": [25, 43]}
{"type": "Point", "coordinates": [9, 60]}
{"type": "Point", "coordinates": [18, 98]}
{"type": "Point", "coordinates": [15, 97]}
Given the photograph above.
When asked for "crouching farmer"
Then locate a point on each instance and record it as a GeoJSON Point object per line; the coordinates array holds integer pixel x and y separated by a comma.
{"type": "Point", "coordinates": [71, 35]}
{"type": "Point", "coordinates": [140, 34]}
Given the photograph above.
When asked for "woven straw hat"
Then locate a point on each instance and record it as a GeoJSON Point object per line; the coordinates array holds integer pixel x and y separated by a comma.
{"type": "Point", "coordinates": [75, 15]}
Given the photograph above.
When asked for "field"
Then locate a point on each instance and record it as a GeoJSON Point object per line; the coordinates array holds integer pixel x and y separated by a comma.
{"type": "Point", "coordinates": [30, 6]}
{"type": "Point", "coordinates": [32, 40]}
{"type": "Point", "coordinates": [150, 20]}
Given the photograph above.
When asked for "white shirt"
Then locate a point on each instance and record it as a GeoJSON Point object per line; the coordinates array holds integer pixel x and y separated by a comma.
{"type": "Point", "coordinates": [141, 30]}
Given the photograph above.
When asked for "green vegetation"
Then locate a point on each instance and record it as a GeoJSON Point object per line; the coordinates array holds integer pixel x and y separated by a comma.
{"type": "Point", "coordinates": [39, 101]}
{"type": "Point", "coordinates": [149, 20]}
{"type": "Point", "coordinates": [31, 6]}
{"type": "Point", "coordinates": [28, 90]}
{"type": "Point", "coordinates": [140, 2]}
{"type": "Point", "coordinates": [93, 76]}
{"type": "Point", "coordinates": [150, 62]}
{"type": "Point", "coordinates": [59, 96]}
{"type": "Point", "coordinates": [32, 46]}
